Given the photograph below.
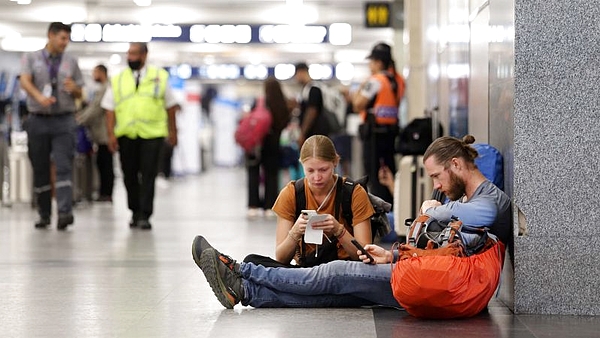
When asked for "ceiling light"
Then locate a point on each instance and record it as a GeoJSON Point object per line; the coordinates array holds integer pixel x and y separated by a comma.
{"type": "Point", "coordinates": [22, 44]}
{"type": "Point", "coordinates": [115, 59]}
{"type": "Point", "coordinates": [344, 71]}
{"type": "Point", "coordinates": [143, 3]}
{"type": "Point", "coordinates": [23, 2]}
{"type": "Point", "coordinates": [340, 34]}
{"type": "Point", "coordinates": [284, 71]}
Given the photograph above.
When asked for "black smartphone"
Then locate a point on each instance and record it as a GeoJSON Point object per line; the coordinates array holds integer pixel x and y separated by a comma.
{"type": "Point", "coordinates": [363, 251]}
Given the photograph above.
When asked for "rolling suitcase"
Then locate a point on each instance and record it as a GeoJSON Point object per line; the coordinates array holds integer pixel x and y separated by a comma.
{"type": "Point", "coordinates": [412, 186]}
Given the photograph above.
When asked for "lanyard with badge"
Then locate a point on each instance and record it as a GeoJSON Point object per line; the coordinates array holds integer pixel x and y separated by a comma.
{"type": "Point", "coordinates": [53, 64]}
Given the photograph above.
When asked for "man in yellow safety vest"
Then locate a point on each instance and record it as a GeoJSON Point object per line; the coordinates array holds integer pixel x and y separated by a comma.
{"type": "Point", "coordinates": [140, 113]}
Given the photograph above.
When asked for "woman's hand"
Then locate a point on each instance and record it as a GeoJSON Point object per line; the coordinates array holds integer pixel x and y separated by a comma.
{"type": "Point", "coordinates": [381, 255]}
{"type": "Point", "coordinates": [299, 227]}
{"type": "Point", "coordinates": [330, 226]}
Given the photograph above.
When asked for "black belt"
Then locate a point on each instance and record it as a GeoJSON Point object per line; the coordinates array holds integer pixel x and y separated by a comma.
{"type": "Point", "coordinates": [385, 128]}
{"type": "Point", "coordinates": [51, 114]}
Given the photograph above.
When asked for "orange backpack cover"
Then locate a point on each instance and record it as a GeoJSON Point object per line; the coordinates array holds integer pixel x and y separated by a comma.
{"type": "Point", "coordinates": [447, 286]}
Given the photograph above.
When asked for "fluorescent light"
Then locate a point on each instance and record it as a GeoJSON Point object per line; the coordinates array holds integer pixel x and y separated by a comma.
{"type": "Point", "coordinates": [320, 72]}
{"type": "Point", "coordinates": [115, 59]}
{"type": "Point", "coordinates": [256, 72]}
{"type": "Point", "coordinates": [23, 2]}
{"type": "Point", "coordinates": [340, 34]}
{"type": "Point", "coordinates": [344, 71]}
{"type": "Point", "coordinates": [143, 3]}
{"type": "Point", "coordinates": [20, 44]}
{"type": "Point", "coordinates": [284, 71]}
{"type": "Point", "coordinates": [184, 71]}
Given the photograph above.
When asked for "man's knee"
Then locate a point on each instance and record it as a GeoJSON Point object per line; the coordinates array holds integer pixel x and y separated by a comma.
{"type": "Point", "coordinates": [64, 167]}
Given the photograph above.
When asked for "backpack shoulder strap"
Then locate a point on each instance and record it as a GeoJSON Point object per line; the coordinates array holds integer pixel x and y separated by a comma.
{"type": "Point", "coordinates": [346, 196]}
{"type": "Point", "coordinates": [300, 196]}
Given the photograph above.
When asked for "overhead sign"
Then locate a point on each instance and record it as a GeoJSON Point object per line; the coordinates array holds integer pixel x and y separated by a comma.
{"type": "Point", "coordinates": [229, 34]}
{"type": "Point", "coordinates": [378, 14]}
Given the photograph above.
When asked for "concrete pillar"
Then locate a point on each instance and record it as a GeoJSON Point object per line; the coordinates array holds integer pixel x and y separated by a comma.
{"type": "Point", "coordinates": [556, 152]}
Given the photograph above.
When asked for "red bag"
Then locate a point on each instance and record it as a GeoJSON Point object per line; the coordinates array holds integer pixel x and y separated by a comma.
{"type": "Point", "coordinates": [447, 286]}
{"type": "Point", "coordinates": [254, 126]}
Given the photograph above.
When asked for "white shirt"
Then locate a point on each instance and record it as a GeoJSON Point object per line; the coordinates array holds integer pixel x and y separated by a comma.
{"type": "Point", "coordinates": [371, 88]}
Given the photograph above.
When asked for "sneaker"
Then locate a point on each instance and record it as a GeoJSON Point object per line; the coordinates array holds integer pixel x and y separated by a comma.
{"type": "Point", "coordinates": [225, 283]}
{"type": "Point", "coordinates": [64, 220]}
{"type": "Point", "coordinates": [270, 214]}
{"type": "Point", "coordinates": [133, 223]}
{"type": "Point", "coordinates": [200, 244]}
{"type": "Point", "coordinates": [144, 224]}
{"type": "Point", "coordinates": [254, 213]}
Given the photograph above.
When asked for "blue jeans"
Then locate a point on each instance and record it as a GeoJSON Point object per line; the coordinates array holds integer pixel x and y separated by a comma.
{"type": "Point", "coordinates": [335, 284]}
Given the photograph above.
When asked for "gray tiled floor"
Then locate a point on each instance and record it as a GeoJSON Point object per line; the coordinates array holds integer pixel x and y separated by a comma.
{"type": "Point", "coordinates": [101, 279]}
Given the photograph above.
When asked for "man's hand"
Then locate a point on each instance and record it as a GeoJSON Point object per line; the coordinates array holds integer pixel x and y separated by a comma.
{"type": "Point", "coordinates": [386, 178]}
{"type": "Point", "coordinates": [381, 255]}
{"type": "Point", "coordinates": [46, 101]}
{"type": "Point", "coordinates": [429, 204]}
{"type": "Point", "coordinates": [172, 138]}
{"type": "Point", "coordinates": [113, 144]}
{"type": "Point", "coordinates": [71, 87]}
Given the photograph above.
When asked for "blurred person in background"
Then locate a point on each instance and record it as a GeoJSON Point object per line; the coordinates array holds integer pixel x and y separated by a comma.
{"type": "Point", "coordinates": [94, 119]}
{"type": "Point", "coordinates": [378, 101]}
{"type": "Point", "coordinates": [268, 156]}
{"type": "Point", "coordinates": [311, 107]}
{"type": "Point", "coordinates": [53, 81]}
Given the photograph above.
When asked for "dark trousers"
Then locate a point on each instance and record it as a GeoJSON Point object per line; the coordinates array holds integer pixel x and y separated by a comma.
{"type": "Point", "coordinates": [139, 162]}
{"type": "Point", "coordinates": [379, 150]}
{"type": "Point", "coordinates": [166, 154]}
{"type": "Point", "coordinates": [52, 138]}
{"type": "Point", "coordinates": [104, 162]}
{"type": "Point", "coordinates": [269, 161]}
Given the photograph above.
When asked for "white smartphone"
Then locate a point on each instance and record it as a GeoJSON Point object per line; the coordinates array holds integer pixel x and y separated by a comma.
{"type": "Point", "coordinates": [311, 235]}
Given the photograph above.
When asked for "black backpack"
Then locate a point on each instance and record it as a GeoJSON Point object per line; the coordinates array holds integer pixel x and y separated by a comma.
{"type": "Point", "coordinates": [380, 225]}
{"type": "Point", "coordinates": [328, 251]}
{"type": "Point", "coordinates": [416, 137]}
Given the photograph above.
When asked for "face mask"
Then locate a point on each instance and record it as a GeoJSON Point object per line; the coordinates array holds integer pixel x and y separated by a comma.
{"type": "Point", "coordinates": [135, 65]}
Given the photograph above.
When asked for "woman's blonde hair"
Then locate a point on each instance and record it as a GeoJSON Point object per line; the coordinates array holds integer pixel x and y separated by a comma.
{"type": "Point", "coordinates": [320, 147]}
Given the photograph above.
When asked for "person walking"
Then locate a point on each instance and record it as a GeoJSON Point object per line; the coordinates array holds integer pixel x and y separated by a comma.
{"type": "Point", "coordinates": [93, 118]}
{"type": "Point", "coordinates": [311, 106]}
{"type": "Point", "coordinates": [140, 113]}
{"type": "Point", "coordinates": [53, 81]}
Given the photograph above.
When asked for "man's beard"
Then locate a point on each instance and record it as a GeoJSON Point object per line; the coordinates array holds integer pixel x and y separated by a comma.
{"type": "Point", "coordinates": [457, 187]}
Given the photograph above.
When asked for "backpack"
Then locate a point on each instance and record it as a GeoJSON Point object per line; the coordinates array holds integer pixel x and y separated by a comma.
{"type": "Point", "coordinates": [333, 114]}
{"type": "Point", "coordinates": [426, 232]}
{"type": "Point", "coordinates": [416, 137]}
{"type": "Point", "coordinates": [447, 286]}
{"type": "Point", "coordinates": [253, 127]}
{"type": "Point", "coordinates": [380, 225]}
{"type": "Point", "coordinates": [490, 163]}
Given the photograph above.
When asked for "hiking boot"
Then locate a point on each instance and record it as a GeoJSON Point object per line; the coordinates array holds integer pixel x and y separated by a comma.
{"type": "Point", "coordinates": [64, 220]}
{"type": "Point", "coordinates": [200, 244]}
{"type": "Point", "coordinates": [225, 283]}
